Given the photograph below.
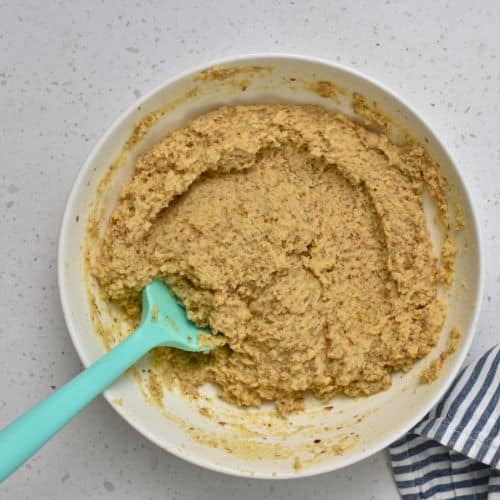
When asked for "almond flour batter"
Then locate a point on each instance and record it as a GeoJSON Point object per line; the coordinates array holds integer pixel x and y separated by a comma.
{"type": "Point", "coordinates": [298, 237]}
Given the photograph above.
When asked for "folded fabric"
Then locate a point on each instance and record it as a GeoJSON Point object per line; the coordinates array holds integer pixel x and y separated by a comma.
{"type": "Point", "coordinates": [454, 452]}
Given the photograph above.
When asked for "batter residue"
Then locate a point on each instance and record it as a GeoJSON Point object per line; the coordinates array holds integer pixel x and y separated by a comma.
{"type": "Point", "coordinates": [299, 237]}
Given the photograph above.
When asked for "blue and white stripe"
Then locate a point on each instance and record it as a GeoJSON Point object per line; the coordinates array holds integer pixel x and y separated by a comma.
{"type": "Point", "coordinates": [454, 452]}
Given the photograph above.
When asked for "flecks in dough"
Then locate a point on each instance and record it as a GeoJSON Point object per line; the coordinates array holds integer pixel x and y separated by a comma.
{"type": "Point", "coordinates": [299, 237]}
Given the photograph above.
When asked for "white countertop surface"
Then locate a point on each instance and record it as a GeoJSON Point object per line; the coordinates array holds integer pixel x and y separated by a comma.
{"type": "Point", "coordinates": [68, 69]}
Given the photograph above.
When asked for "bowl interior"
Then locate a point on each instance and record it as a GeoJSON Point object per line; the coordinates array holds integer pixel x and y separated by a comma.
{"type": "Point", "coordinates": [208, 431]}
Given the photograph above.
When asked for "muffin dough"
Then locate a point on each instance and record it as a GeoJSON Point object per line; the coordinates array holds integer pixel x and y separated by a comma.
{"type": "Point", "coordinates": [298, 236]}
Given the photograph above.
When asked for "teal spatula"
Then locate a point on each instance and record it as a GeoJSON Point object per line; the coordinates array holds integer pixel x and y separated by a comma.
{"type": "Point", "coordinates": [163, 323]}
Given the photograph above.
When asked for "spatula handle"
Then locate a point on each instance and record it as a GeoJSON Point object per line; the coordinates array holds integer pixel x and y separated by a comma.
{"type": "Point", "coordinates": [23, 437]}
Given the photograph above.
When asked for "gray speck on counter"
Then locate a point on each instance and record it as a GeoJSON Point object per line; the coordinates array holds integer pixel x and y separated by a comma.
{"type": "Point", "coordinates": [134, 50]}
{"type": "Point", "coordinates": [12, 189]}
{"type": "Point", "coordinates": [65, 477]}
{"type": "Point", "coordinates": [108, 486]}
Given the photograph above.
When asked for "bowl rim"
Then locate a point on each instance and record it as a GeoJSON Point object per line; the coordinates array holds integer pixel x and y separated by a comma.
{"type": "Point", "coordinates": [76, 336]}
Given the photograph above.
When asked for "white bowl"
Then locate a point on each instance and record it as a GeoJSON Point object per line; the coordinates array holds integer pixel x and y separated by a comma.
{"type": "Point", "coordinates": [354, 428]}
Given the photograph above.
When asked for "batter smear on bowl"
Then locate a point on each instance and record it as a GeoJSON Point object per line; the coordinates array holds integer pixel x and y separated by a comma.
{"type": "Point", "coordinates": [299, 237]}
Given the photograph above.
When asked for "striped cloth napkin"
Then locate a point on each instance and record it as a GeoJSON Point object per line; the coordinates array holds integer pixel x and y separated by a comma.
{"type": "Point", "coordinates": [454, 452]}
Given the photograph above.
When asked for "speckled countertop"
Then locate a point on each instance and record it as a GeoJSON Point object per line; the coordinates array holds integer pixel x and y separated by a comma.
{"type": "Point", "coordinates": [67, 71]}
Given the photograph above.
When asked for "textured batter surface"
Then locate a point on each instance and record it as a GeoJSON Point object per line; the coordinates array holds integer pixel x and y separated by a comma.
{"type": "Point", "coordinates": [299, 237]}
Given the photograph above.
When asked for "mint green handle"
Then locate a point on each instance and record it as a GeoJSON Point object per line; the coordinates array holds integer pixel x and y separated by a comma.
{"type": "Point", "coordinates": [23, 437]}
{"type": "Point", "coordinates": [163, 322]}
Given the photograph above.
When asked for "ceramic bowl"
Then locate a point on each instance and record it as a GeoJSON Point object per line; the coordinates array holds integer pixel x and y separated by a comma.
{"type": "Point", "coordinates": [207, 431]}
